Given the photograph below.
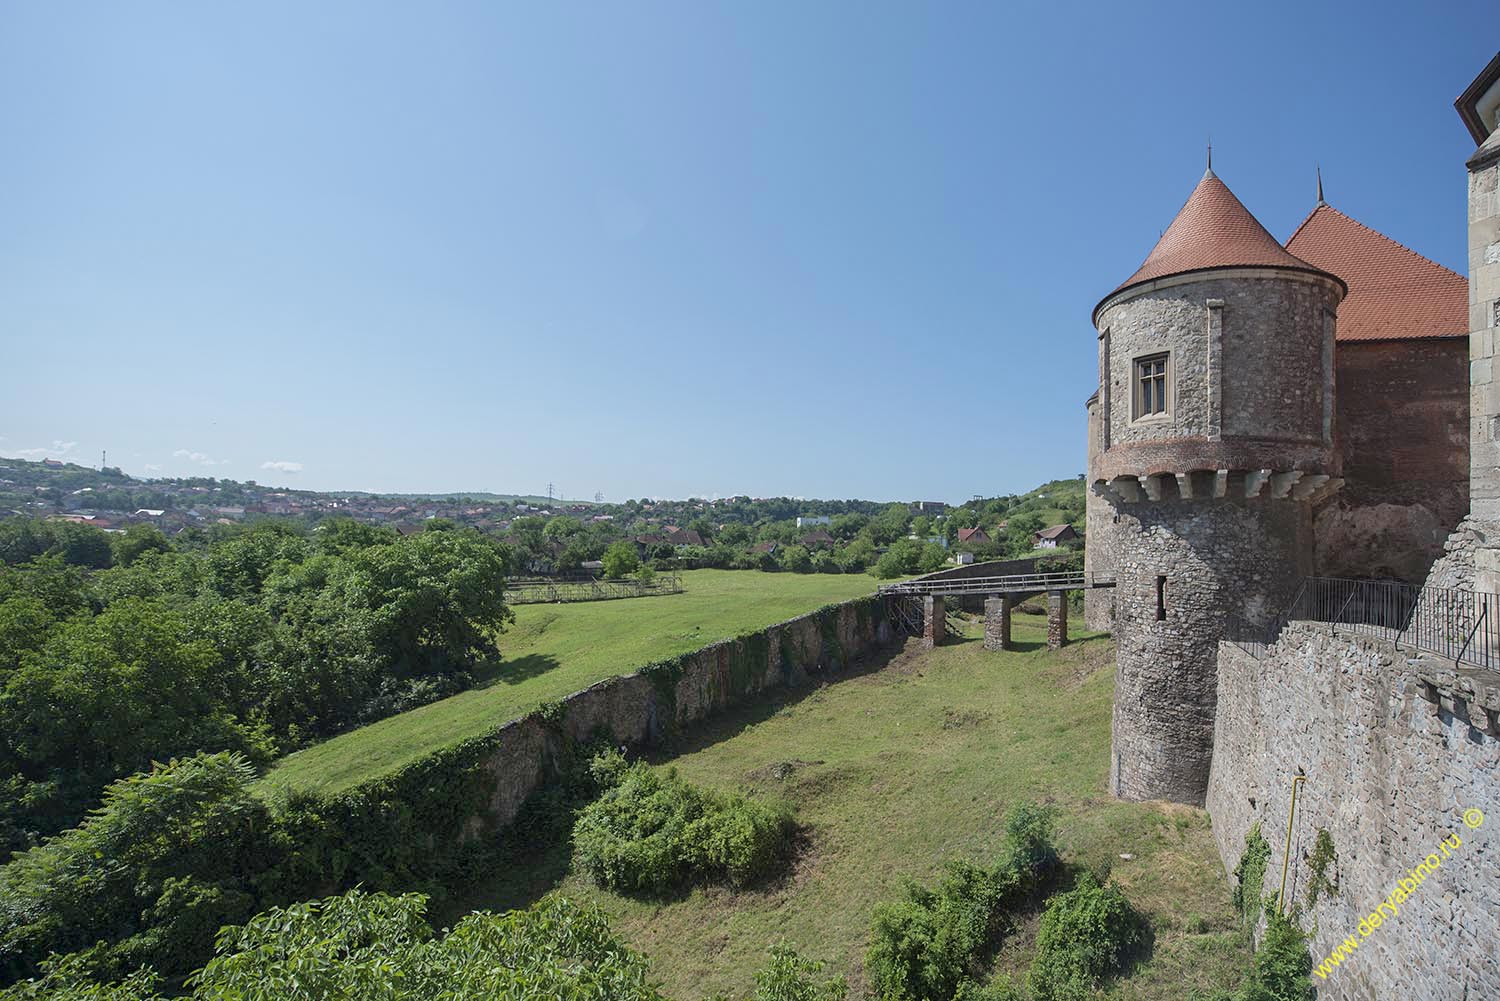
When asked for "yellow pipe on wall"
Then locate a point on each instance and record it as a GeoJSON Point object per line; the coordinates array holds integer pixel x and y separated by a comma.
{"type": "Point", "coordinates": [1286, 855]}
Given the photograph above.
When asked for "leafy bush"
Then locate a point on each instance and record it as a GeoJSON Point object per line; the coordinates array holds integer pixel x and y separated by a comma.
{"type": "Point", "coordinates": [654, 831]}
{"type": "Point", "coordinates": [1283, 967]}
{"type": "Point", "coordinates": [363, 945]}
{"type": "Point", "coordinates": [789, 977]}
{"type": "Point", "coordinates": [148, 879]}
{"type": "Point", "coordinates": [999, 990]}
{"type": "Point", "coordinates": [1250, 876]}
{"type": "Point", "coordinates": [926, 945]}
{"type": "Point", "coordinates": [1085, 934]}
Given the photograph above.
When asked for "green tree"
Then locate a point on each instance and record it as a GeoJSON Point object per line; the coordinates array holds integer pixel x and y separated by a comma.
{"type": "Point", "coordinates": [82, 545]}
{"type": "Point", "coordinates": [794, 558]}
{"type": "Point", "coordinates": [139, 539]}
{"type": "Point", "coordinates": [562, 527]}
{"type": "Point", "coordinates": [621, 560]}
{"type": "Point", "coordinates": [432, 603]}
{"type": "Point", "coordinates": [933, 558]}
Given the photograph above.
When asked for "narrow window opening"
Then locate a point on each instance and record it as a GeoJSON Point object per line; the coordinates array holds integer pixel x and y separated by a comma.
{"type": "Point", "coordinates": [1151, 386]}
{"type": "Point", "coordinates": [1161, 599]}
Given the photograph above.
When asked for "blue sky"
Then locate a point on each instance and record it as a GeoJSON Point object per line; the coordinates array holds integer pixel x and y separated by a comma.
{"type": "Point", "coordinates": [823, 250]}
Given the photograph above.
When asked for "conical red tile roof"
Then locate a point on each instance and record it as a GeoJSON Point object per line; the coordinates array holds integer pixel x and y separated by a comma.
{"type": "Point", "coordinates": [1394, 293]}
{"type": "Point", "coordinates": [1213, 230]}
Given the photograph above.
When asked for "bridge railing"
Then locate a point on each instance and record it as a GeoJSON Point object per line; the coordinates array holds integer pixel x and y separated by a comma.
{"type": "Point", "coordinates": [1066, 581]}
{"type": "Point", "coordinates": [1462, 626]}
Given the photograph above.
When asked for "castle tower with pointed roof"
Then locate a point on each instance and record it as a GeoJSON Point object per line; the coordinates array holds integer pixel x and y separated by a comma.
{"type": "Point", "coordinates": [1211, 440]}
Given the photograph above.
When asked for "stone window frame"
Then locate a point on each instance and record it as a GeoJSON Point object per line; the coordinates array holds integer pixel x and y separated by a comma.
{"type": "Point", "coordinates": [1169, 394]}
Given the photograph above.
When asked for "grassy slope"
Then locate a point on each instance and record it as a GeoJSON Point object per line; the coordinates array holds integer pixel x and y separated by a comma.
{"type": "Point", "coordinates": [895, 771]}
{"type": "Point", "coordinates": [555, 650]}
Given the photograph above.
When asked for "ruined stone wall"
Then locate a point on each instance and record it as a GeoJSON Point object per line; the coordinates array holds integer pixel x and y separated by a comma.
{"type": "Point", "coordinates": [1229, 565]}
{"type": "Point", "coordinates": [668, 698]}
{"type": "Point", "coordinates": [1389, 775]}
{"type": "Point", "coordinates": [1402, 426]}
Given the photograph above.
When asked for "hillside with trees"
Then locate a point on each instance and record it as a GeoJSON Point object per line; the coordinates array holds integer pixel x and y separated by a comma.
{"type": "Point", "coordinates": [120, 650]}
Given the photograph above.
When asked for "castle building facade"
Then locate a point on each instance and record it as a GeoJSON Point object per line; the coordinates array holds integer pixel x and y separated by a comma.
{"type": "Point", "coordinates": [1265, 412]}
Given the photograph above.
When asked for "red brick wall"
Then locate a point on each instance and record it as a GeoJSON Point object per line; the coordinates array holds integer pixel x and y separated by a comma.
{"type": "Point", "coordinates": [1402, 425]}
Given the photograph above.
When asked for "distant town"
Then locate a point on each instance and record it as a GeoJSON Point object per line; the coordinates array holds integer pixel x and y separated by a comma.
{"type": "Point", "coordinates": [554, 536]}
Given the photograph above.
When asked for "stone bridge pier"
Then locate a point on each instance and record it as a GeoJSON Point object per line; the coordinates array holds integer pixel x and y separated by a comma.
{"type": "Point", "coordinates": [997, 622]}
{"type": "Point", "coordinates": [934, 621]}
{"type": "Point", "coordinates": [997, 612]}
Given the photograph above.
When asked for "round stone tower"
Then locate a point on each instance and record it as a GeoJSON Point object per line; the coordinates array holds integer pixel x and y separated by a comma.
{"type": "Point", "coordinates": [1213, 438]}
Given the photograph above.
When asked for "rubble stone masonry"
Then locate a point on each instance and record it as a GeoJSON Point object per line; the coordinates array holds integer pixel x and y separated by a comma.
{"type": "Point", "coordinates": [1391, 764]}
{"type": "Point", "coordinates": [1189, 573]}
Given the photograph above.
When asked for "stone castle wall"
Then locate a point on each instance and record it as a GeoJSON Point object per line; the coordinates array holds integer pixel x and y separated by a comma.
{"type": "Point", "coordinates": [1403, 432]}
{"type": "Point", "coordinates": [641, 709]}
{"type": "Point", "coordinates": [1389, 775]}
{"type": "Point", "coordinates": [1229, 565]}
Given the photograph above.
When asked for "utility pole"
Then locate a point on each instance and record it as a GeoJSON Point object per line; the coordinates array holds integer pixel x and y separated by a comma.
{"type": "Point", "coordinates": [598, 496]}
{"type": "Point", "coordinates": [103, 459]}
{"type": "Point", "coordinates": [549, 493]}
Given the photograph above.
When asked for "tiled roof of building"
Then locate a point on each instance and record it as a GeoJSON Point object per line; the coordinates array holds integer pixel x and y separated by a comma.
{"type": "Point", "coordinates": [1213, 230]}
{"type": "Point", "coordinates": [1394, 293]}
{"type": "Point", "coordinates": [1054, 531]}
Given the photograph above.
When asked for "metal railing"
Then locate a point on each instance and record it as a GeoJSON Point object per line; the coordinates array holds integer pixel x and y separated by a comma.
{"type": "Point", "coordinates": [1068, 581]}
{"type": "Point", "coordinates": [538, 591]}
{"type": "Point", "coordinates": [1462, 626]}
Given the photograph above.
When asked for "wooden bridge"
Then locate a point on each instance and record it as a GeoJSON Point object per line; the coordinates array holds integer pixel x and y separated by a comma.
{"type": "Point", "coordinates": [931, 620]}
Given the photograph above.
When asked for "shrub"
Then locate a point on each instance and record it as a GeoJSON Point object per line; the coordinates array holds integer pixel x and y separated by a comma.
{"type": "Point", "coordinates": [1085, 934]}
{"type": "Point", "coordinates": [1250, 876]}
{"type": "Point", "coordinates": [999, 990]}
{"type": "Point", "coordinates": [149, 878]}
{"type": "Point", "coordinates": [654, 831]}
{"type": "Point", "coordinates": [927, 944]}
{"type": "Point", "coordinates": [1283, 966]}
{"type": "Point", "coordinates": [789, 977]}
{"type": "Point", "coordinates": [1323, 855]}
{"type": "Point", "coordinates": [373, 945]}
{"type": "Point", "coordinates": [363, 945]}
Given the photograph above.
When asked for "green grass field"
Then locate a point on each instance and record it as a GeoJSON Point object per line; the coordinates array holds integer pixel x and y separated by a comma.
{"type": "Point", "coordinates": [893, 771]}
{"type": "Point", "coordinates": [554, 650]}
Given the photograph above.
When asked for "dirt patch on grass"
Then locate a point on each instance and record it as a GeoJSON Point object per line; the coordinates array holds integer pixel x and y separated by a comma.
{"type": "Point", "coordinates": [779, 771]}
{"type": "Point", "coordinates": [962, 719]}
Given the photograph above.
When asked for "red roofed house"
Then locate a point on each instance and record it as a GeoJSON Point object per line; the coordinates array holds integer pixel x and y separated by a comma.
{"type": "Point", "coordinates": [817, 539]}
{"type": "Point", "coordinates": [1050, 538]}
{"type": "Point", "coordinates": [973, 536]}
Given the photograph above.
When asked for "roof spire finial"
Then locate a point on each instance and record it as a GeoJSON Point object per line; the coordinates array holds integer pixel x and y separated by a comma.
{"type": "Point", "coordinates": [1210, 171]}
{"type": "Point", "coordinates": [1320, 185]}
